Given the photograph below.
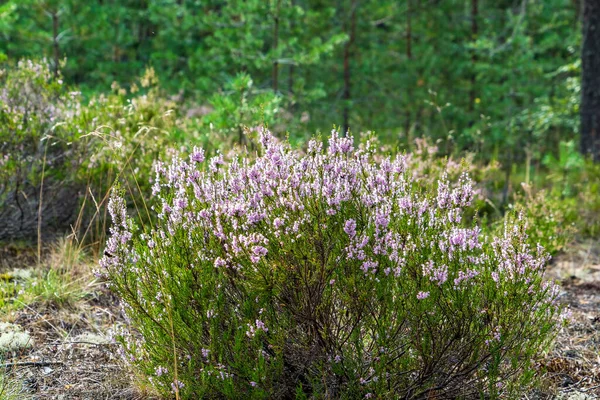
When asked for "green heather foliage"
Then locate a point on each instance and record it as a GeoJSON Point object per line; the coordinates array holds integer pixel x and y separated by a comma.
{"type": "Point", "coordinates": [329, 273]}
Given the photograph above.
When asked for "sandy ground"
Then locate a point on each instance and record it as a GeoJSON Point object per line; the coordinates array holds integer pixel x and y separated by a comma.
{"type": "Point", "coordinates": [573, 366]}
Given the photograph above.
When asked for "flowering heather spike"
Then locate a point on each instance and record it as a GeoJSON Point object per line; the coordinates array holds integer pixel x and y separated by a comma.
{"type": "Point", "coordinates": [322, 260]}
{"type": "Point", "coordinates": [350, 228]}
{"type": "Point", "coordinates": [422, 295]}
{"type": "Point", "coordinates": [197, 155]}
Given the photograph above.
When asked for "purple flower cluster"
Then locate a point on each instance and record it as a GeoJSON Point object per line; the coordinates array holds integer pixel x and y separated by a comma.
{"type": "Point", "coordinates": [254, 328]}
{"type": "Point", "coordinates": [253, 205]}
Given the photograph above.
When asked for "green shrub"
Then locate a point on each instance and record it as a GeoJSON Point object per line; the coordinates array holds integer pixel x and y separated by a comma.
{"type": "Point", "coordinates": [58, 150]}
{"type": "Point", "coordinates": [574, 184]}
{"type": "Point", "coordinates": [564, 204]}
{"type": "Point", "coordinates": [323, 275]}
{"type": "Point", "coordinates": [35, 144]}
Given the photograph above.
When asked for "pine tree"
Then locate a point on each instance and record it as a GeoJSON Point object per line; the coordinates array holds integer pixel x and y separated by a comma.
{"type": "Point", "coordinates": [590, 82]}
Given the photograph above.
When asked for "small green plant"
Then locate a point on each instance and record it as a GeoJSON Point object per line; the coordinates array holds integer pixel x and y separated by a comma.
{"type": "Point", "coordinates": [57, 288]}
{"type": "Point", "coordinates": [550, 219]}
{"type": "Point", "coordinates": [564, 170]}
{"type": "Point", "coordinates": [10, 388]}
{"type": "Point", "coordinates": [62, 280]}
{"type": "Point", "coordinates": [327, 274]}
{"type": "Point", "coordinates": [566, 203]}
{"type": "Point", "coordinates": [239, 107]}
{"type": "Point", "coordinates": [66, 280]}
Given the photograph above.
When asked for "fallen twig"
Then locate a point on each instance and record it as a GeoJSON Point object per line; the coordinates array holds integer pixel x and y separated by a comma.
{"type": "Point", "coordinates": [31, 364]}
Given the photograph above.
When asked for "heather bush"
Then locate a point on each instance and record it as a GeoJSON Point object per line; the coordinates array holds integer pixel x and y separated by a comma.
{"type": "Point", "coordinates": [58, 151]}
{"type": "Point", "coordinates": [331, 273]}
{"type": "Point", "coordinates": [34, 142]}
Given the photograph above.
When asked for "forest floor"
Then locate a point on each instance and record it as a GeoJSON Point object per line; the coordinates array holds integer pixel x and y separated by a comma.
{"type": "Point", "coordinates": [573, 365]}
{"type": "Point", "coordinates": [67, 353]}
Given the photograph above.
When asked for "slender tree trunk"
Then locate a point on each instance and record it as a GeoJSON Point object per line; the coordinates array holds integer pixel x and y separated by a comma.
{"type": "Point", "coordinates": [291, 67]}
{"type": "Point", "coordinates": [590, 80]}
{"type": "Point", "coordinates": [275, 45]}
{"type": "Point", "coordinates": [474, 33]}
{"type": "Point", "coordinates": [408, 29]}
{"type": "Point", "coordinates": [55, 49]}
{"type": "Point", "coordinates": [347, 72]}
{"type": "Point", "coordinates": [409, 57]}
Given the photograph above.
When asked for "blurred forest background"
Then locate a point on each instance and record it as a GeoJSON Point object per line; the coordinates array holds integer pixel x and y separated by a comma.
{"type": "Point", "coordinates": [497, 80]}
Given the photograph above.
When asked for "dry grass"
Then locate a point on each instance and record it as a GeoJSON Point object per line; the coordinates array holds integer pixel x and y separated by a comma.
{"type": "Point", "coordinates": [68, 316]}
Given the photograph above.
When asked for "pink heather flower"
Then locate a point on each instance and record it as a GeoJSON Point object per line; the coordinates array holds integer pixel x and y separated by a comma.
{"type": "Point", "coordinates": [261, 325]}
{"type": "Point", "coordinates": [118, 211]}
{"type": "Point", "coordinates": [177, 385]}
{"type": "Point", "coordinates": [197, 155]}
{"type": "Point", "coordinates": [497, 334]}
{"type": "Point", "coordinates": [254, 259]}
{"type": "Point", "coordinates": [495, 276]}
{"type": "Point", "coordinates": [350, 228]}
{"type": "Point", "coordinates": [382, 220]}
{"type": "Point", "coordinates": [181, 203]}
{"type": "Point", "coordinates": [215, 162]}
{"type": "Point", "coordinates": [219, 262]}
{"type": "Point", "coordinates": [440, 275]}
{"type": "Point", "coordinates": [422, 295]}
{"type": "Point", "coordinates": [369, 265]}
{"type": "Point", "coordinates": [259, 251]}
{"type": "Point", "coordinates": [465, 276]}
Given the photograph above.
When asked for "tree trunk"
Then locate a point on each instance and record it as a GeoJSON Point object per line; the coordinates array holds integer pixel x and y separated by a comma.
{"type": "Point", "coordinates": [347, 72]}
{"type": "Point", "coordinates": [55, 48]}
{"type": "Point", "coordinates": [590, 81]}
{"type": "Point", "coordinates": [275, 45]}
{"type": "Point", "coordinates": [474, 33]}
{"type": "Point", "coordinates": [408, 56]}
{"type": "Point", "coordinates": [408, 30]}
